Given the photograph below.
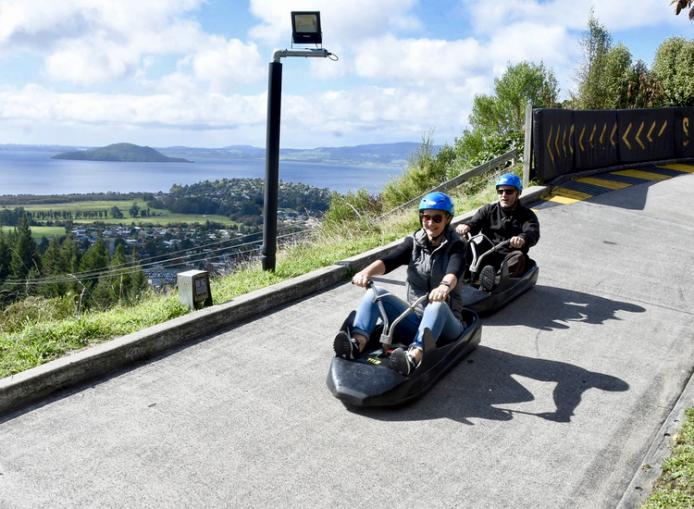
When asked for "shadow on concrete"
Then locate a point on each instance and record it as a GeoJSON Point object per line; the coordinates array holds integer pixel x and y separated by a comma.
{"type": "Point", "coordinates": [482, 387]}
{"type": "Point", "coordinates": [631, 198]}
{"type": "Point", "coordinates": [548, 308]}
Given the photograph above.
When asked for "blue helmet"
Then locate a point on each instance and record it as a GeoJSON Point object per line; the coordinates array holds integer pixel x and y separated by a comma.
{"type": "Point", "coordinates": [509, 179]}
{"type": "Point", "coordinates": [437, 201]}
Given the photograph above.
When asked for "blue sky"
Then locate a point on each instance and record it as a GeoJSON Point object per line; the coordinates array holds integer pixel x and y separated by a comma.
{"type": "Point", "coordinates": [194, 72]}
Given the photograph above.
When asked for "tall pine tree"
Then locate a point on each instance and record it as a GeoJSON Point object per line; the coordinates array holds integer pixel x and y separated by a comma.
{"type": "Point", "coordinates": [94, 261]}
{"type": "Point", "coordinates": [24, 256]}
{"type": "Point", "coordinates": [5, 257]}
{"type": "Point", "coordinates": [112, 287]}
{"type": "Point", "coordinates": [137, 279]}
{"type": "Point", "coordinates": [52, 264]}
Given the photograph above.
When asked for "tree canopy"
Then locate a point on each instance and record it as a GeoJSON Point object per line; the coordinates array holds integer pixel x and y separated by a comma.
{"type": "Point", "coordinates": [504, 111]}
{"type": "Point", "coordinates": [674, 68]}
{"type": "Point", "coordinates": [609, 78]}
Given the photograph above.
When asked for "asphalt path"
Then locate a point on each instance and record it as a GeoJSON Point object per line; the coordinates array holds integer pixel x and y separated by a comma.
{"type": "Point", "coordinates": [555, 408]}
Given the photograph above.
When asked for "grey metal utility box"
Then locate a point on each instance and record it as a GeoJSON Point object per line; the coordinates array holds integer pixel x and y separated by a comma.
{"type": "Point", "coordinates": [194, 288]}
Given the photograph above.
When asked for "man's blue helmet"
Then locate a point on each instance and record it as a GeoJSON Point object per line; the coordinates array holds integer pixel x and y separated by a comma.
{"type": "Point", "coordinates": [509, 179]}
{"type": "Point", "coordinates": [437, 201]}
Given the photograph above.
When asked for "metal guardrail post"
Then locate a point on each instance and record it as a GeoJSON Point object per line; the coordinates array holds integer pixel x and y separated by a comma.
{"type": "Point", "coordinates": [527, 145]}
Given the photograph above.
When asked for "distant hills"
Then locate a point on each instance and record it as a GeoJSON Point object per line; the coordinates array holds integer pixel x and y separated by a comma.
{"type": "Point", "coordinates": [125, 152]}
{"type": "Point", "coordinates": [395, 155]}
{"type": "Point", "coordinates": [383, 154]}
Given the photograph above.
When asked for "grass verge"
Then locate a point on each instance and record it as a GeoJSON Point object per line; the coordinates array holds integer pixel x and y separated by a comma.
{"type": "Point", "coordinates": [42, 340]}
{"type": "Point", "coordinates": [674, 489]}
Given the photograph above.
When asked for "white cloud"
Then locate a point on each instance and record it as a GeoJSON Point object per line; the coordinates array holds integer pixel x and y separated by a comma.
{"type": "Point", "coordinates": [89, 62]}
{"type": "Point", "coordinates": [39, 24]}
{"type": "Point", "coordinates": [396, 114]}
{"type": "Point", "coordinates": [431, 64]}
{"type": "Point", "coordinates": [533, 43]}
{"type": "Point", "coordinates": [629, 14]}
{"type": "Point", "coordinates": [209, 111]}
{"type": "Point", "coordinates": [417, 60]}
{"type": "Point", "coordinates": [43, 23]}
{"type": "Point", "coordinates": [88, 42]}
{"type": "Point", "coordinates": [489, 17]}
{"type": "Point", "coordinates": [227, 62]}
{"type": "Point", "coordinates": [552, 45]}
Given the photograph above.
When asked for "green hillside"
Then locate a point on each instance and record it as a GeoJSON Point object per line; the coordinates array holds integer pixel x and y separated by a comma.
{"type": "Point", "coordinates": [123, 152]}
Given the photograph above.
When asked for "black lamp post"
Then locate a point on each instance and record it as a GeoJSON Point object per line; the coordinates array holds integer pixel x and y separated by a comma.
{"type": "Point", "coordinates": [305, 30]}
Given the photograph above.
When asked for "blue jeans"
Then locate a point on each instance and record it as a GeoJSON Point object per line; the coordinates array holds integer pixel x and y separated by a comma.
{"type": "Point", "coordinates": [437, 317]}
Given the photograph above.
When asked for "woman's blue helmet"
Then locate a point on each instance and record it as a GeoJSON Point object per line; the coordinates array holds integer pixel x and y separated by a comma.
{"type": "Point", "coordinates": [437, 201]}
{"type": "Point", "coordinates": [509, 179]}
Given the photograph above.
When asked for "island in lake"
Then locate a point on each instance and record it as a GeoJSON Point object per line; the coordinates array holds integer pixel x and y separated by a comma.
{"type": "Point", "coordinates": [124, 152]}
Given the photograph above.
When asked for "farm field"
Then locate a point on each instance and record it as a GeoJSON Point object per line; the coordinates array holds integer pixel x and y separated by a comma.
{"type": "Point", "coordinates": [159, 216]}
{"type": "Point", "coordinates": [39, 232]}
{"type": "Point", "coordinates": [74, 206]}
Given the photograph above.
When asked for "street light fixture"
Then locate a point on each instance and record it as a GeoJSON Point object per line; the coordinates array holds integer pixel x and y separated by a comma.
{"type": "Point", "coordinates": [306, 29]}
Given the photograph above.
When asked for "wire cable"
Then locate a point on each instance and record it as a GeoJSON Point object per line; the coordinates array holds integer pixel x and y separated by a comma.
{"type": "Point", "coordinates": [134, 267]}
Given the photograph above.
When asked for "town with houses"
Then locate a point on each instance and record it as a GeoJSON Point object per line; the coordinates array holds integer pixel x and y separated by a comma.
{"type": "Point", "coordinates": [165, 250]}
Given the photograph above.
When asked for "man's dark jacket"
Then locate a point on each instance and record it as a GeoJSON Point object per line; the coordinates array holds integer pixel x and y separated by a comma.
{"type": "Point", "coordinates": [501, 224]}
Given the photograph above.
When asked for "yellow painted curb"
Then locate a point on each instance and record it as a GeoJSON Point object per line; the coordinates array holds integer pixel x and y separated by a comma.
{"type": "Point", "coordinates": [688, 168]}
{"type": "Point", "coordinates": [641, 174]}
{"type": "Point", "coordinates": [567, 196]}
{"type": "Point", "coordinates": [609, 184]}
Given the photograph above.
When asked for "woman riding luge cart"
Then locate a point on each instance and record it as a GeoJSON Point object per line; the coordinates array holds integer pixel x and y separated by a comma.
{"type": "Point", "coordinates": [394, 359]}
{"type": "Point", "coordinates": [435, 259]}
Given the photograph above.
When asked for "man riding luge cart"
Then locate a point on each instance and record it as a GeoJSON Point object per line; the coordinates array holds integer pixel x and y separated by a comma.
{"type": "Point", "coordinates": [500, 235]}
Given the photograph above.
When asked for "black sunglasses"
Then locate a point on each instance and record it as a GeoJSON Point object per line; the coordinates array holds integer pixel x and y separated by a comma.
{"type": "Point", "coordinates": [436, 218]}
{"type": "Point", "coordinates": [505, 191]}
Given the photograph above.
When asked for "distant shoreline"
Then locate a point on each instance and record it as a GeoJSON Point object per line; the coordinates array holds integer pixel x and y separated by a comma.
{"type": "Point", "coordinates": [31, 171]}
{"type": "Point", "coordinates": [392, 155]}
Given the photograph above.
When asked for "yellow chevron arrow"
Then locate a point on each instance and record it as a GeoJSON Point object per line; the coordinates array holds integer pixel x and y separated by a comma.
{"type": "Point", "coordinates": [571, 145]}
{"type": "Point", "coordinates": [556, 141]}
{"type": "Point", "coordinates": [650, 131]}
{"type": "Point", "coordinates": [549, 147]}
{"type": "Point", "coordinates": [563, 144]}
{"type": "Point", "coordinates": [662, 129]}
{"type": "Point", "coordinates": [612, 133]}
{"type": "Point", "coordinates": [685, 128]}
{"type": "Point", "coordinates": [592, 135]}
{"type": "Point", "coordinates": [602, 134]}
{"type": "Point", "coordinates": [638, 140]}
{"type": "Point", "coordinates": [624, 136]}
{"type": "Point", "coordinates": [580, 139]}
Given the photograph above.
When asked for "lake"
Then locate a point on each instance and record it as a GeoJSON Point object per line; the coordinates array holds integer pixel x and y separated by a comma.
{"type": "Point", "coordinates": [32, 171]}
